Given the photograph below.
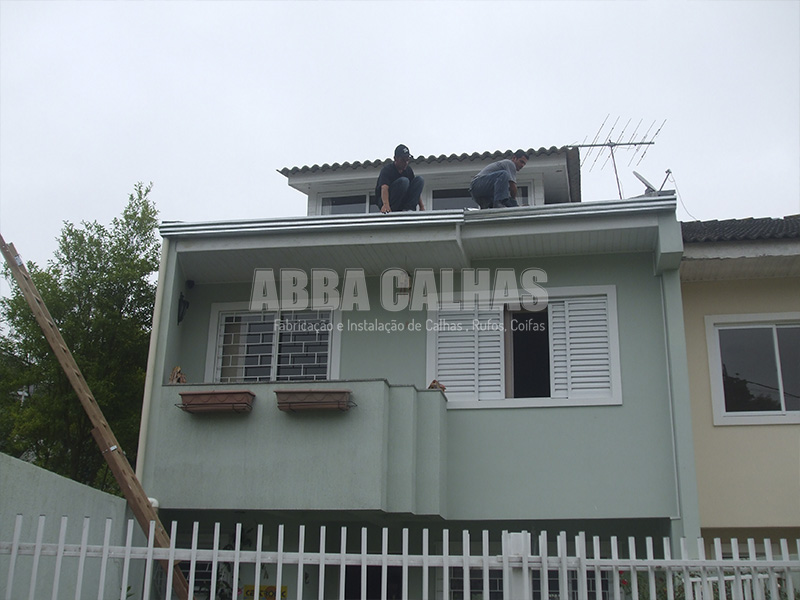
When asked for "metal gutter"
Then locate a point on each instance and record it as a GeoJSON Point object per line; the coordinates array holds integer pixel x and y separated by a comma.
{"type": "Point", "coordinates": [306, 223]}
{"type": "Point", "coordinates": [611, 207]}
{"type": "Point", "coordinates": [414, 219]}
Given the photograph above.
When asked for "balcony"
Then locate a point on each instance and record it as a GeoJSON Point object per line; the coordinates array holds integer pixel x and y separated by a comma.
{"type": "Point", "coordinates": [365, 445]}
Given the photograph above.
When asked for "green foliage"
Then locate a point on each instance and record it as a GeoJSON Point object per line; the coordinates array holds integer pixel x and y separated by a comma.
{"type": "Point", "coordinates": [99, 289]}
{"type": "Point", "coordinates": [679, 591]}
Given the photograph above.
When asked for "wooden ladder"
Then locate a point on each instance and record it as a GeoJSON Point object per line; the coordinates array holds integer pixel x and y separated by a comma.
{"type": "Point", "coordinates": [123, 472]}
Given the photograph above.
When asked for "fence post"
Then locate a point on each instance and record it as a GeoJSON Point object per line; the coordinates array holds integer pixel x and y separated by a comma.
{"type": "Point", "coordinates": [516, 573]}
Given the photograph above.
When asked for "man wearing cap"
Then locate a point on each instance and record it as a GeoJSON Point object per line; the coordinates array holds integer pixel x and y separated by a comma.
{"type": "Point", "coordinates": [398, 188]}
{"type": "Point", "coordinates": [496, 184]}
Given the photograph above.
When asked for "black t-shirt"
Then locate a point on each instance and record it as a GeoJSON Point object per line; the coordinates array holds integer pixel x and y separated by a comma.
{"type": "Point", "coordinates": [388, 175]}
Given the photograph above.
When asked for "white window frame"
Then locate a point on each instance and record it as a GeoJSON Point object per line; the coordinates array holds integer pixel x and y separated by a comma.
{"type": "Point", "coordinates": [219, 308]}
{"type": "Point", "coordinates": [493, 395]}
{"type": "Point", "coordinates": [430, 203]}
{"type": "Point", "coordinates": [365, 205]}
{"type": "Point", "coordinates": [714, 323]}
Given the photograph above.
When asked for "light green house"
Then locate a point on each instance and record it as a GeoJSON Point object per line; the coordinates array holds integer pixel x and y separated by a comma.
{"type": "Point", "coordinates": [556, 328]}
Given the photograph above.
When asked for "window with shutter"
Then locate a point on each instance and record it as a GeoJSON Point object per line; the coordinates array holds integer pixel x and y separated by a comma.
{"type": "Point", "coordinates": [580, 347]}
{"type": "Point", "coordinates": [470, 352]}
{"type": "Point", "coordinates": [565, 354]}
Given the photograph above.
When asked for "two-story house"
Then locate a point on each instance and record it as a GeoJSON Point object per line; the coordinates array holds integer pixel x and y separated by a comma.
{"type": "Point", "coordinates": [308, 345]}
{"type": "Point", "coordinates": [741, 291]}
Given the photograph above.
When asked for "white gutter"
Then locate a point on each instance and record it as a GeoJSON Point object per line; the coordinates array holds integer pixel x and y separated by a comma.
{"type": "Point", "coordinates": [416, 219]}
{"type": "Point", "coordinates": [147, 400]}
{"type": "Point", "coordinates": [461, 245]}
{"type": "Point", "coordinates": [584, 209]}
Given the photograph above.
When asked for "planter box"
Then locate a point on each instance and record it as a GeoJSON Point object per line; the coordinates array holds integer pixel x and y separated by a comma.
{"type": "Point", "coordinates": [299, 400]}
{"type": "Point", "coordinates": [222, 401]}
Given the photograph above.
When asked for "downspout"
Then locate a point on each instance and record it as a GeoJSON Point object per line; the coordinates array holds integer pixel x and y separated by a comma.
{"type": "Point", "coordinates": [687, 517]}
{"type": "Point", "coordinates": [151, 363]}
{"type": "Point", "coordinates": [464, 256]}
{"type": "Point", "coordinates": [671, 396]}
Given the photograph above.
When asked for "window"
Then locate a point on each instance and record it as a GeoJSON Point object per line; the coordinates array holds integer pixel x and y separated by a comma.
{"type": "Point", "coordinates": [529, 347]}
{"type": "Point", "coordinates": [344, 204]}
{"type": "Point", "coordinates": [262, 346]}
{"type": "Point", "coordinates": [565, 354]}
{"type": "Point", "coordinates": [553, 585]}
{"type": "Point", "coordinates": [352, 204]}
{"type": "Point", "coordinates": [457, 591]}
{"type": "Point", "coordinates": [572, 591]}
{"type": "Point", "coordinates": [447, 199]}
{"type": "Point", "coordinates": [450, 199]}
{"type": "Point", "coordinates": [753, 363]}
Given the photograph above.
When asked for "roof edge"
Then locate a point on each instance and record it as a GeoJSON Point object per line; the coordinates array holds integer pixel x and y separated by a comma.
{"type": "Point", "coordinates": [173, 229]}
{"type": "Point", "coordinates": [419, 160]}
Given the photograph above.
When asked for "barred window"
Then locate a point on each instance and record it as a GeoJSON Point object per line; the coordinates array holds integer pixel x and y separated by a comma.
{"type": "Point", "coordinates": [261, 346]}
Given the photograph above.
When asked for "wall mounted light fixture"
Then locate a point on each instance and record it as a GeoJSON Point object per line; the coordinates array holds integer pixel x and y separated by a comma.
{"type": "Point", "coordinates": [183, 305]}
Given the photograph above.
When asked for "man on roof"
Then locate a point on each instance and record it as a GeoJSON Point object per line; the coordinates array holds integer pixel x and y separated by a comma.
{"type": "Point", "coordinates": [398, 188]}
{"type": "Point", "coordinates": [495, 186]}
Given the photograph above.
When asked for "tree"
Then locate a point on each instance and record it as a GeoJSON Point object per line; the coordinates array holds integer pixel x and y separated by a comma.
{"type": "Point", "coordinates": [99, 289]}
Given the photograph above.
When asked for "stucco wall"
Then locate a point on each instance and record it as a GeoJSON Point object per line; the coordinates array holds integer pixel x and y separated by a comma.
{"type": "Point", "coordinates": [748, 475]}
{"type": "Point", "coordinates": [30, 491]}
{"type": "Point", "coordinates": [550, 463]}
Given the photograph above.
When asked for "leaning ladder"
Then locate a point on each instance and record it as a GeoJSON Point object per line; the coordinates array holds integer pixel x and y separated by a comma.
{"type": "Point", "coordinates": [126, 478]}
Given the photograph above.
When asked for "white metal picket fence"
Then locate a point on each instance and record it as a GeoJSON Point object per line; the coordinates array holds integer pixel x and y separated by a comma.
{"type": "Point", "coordinates": [527, 567]}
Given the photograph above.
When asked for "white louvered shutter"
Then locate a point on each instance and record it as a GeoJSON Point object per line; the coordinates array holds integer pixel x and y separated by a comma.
{"type": "Point", "coordinates": [580, 347]}
{"type": "Point", "coordinates": [469, 360]}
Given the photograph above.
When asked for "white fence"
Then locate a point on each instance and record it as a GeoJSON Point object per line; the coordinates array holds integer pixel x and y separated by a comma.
{"type": "Point", "coordinates": [515, 567]}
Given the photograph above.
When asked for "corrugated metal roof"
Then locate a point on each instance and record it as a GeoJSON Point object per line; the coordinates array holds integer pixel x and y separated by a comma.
{"type": "Point", "coordinates": [734, 230]}
{"type": "Point", "coordinates": [571, 153]}
{"type": "Point", "coordinates": [419, 160]}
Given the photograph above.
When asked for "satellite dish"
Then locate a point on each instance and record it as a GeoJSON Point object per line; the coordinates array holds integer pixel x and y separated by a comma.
{"type": "Point", "coordinates": [649, 187]}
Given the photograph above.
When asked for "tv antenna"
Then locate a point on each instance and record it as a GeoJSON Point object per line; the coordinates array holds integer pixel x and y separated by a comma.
{"type": "Point", "coordinates": [640, 143]}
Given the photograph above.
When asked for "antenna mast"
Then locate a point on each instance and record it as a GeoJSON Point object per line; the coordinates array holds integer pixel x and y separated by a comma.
{"type": "Point", "coordinates": [612, 143]}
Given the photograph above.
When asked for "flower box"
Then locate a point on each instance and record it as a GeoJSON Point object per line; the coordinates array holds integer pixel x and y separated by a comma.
{"type": "Point", "coordinates": [239, 401]}
{"type": "Point", "coordinates": [300, 400]}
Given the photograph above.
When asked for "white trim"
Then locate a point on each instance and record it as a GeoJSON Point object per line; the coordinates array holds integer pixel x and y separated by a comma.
{"type": "Point", "coordinates": [334, 348]}
{"type": "Point", "coordinates": [713, 324]}
{"type": "Point", "coordinates": [468, 401]}
{"type": "Point", "coordinates": [213, 330]}
{"type": "Point", "coordinates": [335, 345]}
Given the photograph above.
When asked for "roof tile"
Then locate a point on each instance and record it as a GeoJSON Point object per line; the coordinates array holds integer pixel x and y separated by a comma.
{"type": "Point", "coordinates": [734, 230]}
{"type": "Point", "coordinates": [287, 171]}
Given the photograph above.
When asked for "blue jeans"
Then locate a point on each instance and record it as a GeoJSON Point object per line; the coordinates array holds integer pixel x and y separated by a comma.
{"type": "Point", "coordinates": [404, 194]}
{"type": "Point", "coordinates": [491, 190]}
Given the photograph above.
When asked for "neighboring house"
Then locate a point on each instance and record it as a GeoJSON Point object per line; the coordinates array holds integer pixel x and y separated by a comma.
{"type": "Point", "coordinates": [569, 412]}
{"type": "Point", "coordinates": [741, 292]}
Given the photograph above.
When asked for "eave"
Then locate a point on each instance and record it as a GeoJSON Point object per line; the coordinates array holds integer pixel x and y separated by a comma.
{"type": "Point", "coordinates": [754, 259]}
{"type": "Point", "coordinates": [228, 252]}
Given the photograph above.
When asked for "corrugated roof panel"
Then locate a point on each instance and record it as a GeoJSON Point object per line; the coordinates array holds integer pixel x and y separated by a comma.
{"type": "Point", "coordinates": [734, 230]}
{"type": "Point", "coordinates": [418, 160]}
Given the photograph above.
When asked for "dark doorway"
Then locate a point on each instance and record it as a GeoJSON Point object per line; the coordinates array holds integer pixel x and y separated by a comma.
{"type": "Point", "coordinates": [352, 583]}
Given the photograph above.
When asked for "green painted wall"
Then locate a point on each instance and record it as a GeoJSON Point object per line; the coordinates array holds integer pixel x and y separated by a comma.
{"type": "Point", "coordinates": [405, 454]}
{"type": "Point", "coordinates": [30, 491]}
{"type": "Point", "coordinates": [371, 457]}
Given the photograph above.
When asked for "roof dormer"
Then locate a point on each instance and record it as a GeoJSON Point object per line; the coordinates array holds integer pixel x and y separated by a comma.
{"type": "Point", "coordinates": [552, 176]}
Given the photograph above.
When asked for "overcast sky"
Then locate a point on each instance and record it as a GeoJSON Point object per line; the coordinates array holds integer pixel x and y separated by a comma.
{"type": "Point", "coordinates": [209, 99]}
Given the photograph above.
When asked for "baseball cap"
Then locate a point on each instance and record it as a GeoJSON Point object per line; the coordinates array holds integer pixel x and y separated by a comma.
{"type": "Point", "coordinates": [402, 151]}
